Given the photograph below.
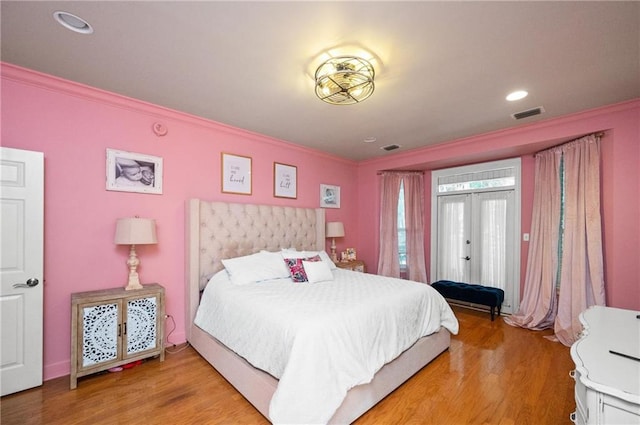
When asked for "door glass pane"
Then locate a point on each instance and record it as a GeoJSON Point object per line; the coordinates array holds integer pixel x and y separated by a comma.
{"type": "Point", "coordinates": [402, 231]}
{"type": "Point", "coordinates": [493, 233]}
{"type": "Point", "coordinates": [452, 237]}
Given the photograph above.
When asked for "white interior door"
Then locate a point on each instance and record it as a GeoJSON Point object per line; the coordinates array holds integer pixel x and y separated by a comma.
{"type": "Point", "coordinates": [21, 268]}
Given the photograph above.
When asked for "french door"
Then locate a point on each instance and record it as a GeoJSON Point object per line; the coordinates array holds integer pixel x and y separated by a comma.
{"type": "Point", "coordinates": [476, 231]}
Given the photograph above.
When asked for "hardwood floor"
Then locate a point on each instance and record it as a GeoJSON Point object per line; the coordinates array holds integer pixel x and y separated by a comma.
{"type": "Point", "coordinates": [492, 374]}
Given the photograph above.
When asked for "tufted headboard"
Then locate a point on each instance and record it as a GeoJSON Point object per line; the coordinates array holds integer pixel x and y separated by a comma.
{"type": "Point", "coordinates": [219, 230]}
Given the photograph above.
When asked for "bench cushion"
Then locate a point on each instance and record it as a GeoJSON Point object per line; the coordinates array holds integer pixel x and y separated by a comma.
{"type": "Point", "coordinates": [478, 294]}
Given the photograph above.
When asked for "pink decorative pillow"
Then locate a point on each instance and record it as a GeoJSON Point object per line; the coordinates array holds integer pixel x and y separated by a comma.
{"type": "Point", "coordinates": [297, 269]}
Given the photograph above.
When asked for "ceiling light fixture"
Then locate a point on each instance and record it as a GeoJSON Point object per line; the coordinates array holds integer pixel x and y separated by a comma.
{"type": "Point", "coordinates": [516, 95]}
{"type": "Point", "coordinates": [344, 80]}
{"type": "Point", "coordinates": [72, 22]}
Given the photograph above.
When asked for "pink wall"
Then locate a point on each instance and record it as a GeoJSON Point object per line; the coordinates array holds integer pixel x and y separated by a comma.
{"type": "Point", "coordinates": [620, 185]}
{"type": "Point", "coordinates": [73, 125]}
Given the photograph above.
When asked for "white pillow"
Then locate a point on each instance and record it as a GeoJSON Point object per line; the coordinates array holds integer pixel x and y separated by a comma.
{"type": "Point", "coordinates": [317, 271]}
{"type": "Point", "coordinates": [255, 267]}
{"type": "Point", "coordinates": [325, 257]}
{"type": "Point", "coordinates": [274, 264]}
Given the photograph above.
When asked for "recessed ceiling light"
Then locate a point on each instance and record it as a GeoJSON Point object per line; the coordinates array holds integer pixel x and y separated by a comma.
{"type": "Point", "coordinates": [370, 139]}
{"type": "Point", "coordinates": [516, 95]}
{"type": "Point", "coordinates": [72, 22]}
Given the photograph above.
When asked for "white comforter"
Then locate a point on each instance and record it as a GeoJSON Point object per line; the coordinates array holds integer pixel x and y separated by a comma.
{"type": "Point", "coordinates": [320, 339]}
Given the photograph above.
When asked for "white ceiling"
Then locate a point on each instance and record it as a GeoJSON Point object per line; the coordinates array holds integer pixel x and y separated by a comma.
{"type": "Point", "coordinates": [443, 72]}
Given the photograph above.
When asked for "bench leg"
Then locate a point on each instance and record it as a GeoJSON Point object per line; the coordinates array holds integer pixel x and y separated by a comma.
{"type": "Point", "coordinates": [492, 313]}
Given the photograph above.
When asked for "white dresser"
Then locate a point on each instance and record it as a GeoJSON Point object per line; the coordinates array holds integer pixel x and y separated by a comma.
{"type": "Point", "coordinates": [607, 385]}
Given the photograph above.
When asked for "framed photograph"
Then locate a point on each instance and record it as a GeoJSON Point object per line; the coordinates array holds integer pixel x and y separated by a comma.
{"type": "Point", "coordinates": [134, 172]}
{"type": "Point", "coordinates": [236, 174]}
{"type": "Point", "coordinates": [329, 196]}
{"type": "Point", "coordinates": [285, 181]}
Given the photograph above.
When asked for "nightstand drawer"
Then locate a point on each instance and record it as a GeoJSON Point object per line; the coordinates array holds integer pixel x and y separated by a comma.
{"type": "Point", "coordinates": [355, 265]}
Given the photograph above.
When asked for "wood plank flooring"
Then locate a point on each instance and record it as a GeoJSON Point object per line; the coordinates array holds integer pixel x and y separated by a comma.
{"type": "Point", "coordinates": [492, 374]}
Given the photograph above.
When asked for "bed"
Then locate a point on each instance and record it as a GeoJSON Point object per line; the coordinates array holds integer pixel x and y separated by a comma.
{"type": "Point", "coordinates": [219, 230]}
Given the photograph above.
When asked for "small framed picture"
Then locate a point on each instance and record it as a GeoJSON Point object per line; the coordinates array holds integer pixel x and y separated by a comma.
{"type": "Point", "coordinates": [133, 172]}
{"type": "Point", "coordinates": [329, 196]}
{"type": "Point", "coordinates": [351, 254]}
{"type": "Point", "coordinates": [236, 174]}
{"type": "Point", "coordinates": [285, 181]}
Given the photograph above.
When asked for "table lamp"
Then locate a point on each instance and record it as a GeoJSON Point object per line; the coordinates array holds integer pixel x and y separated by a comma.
{"type": "Point", "coordinates": [334, 229]}
{"type": "Point", "coordinates": [135, 231]}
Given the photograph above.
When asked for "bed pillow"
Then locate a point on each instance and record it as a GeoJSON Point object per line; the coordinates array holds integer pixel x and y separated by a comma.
{"type": "Point", "coordinates": [296, 268]}
{"type": "Point", "coordinates": [255, 268]}
{"type": "Point", "coordinates": [274, 265]}
{"type": "Point", "coordinates": [317, 271]}
{"type": "Point", "coordinates": [306, 254]}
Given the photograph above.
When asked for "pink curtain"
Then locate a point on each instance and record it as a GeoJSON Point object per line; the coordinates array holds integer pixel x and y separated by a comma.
{"type": "Point", "coordinates": [538, 307]}
{"type": "Point", "coordinates": [414, 223]}
{"type": "Point", "coordinates": [582, 276]}
{"type": "Point", "coordinates": [388, 261]}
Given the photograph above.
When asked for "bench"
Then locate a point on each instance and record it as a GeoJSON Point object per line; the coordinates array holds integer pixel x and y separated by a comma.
{"type": "Point", "coordinates": [477, 294]}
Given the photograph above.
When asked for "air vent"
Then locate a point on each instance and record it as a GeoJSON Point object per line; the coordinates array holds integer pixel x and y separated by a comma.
{"type": "Point", "coordinates": [528, 113]}
{"type": "Point", "coordinates": [390, 147]}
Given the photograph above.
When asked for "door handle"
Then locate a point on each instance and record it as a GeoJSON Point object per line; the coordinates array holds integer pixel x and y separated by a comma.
{"type": "Point", "coordinates": [30, 283]}
{"type": "Point", "coordinates": [466, 258]}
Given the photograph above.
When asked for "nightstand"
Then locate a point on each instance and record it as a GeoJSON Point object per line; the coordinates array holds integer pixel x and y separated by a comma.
{"type": "Point", "coordinates": [355, 265]}
{"type": "Point", "coordinates": [113, 327]}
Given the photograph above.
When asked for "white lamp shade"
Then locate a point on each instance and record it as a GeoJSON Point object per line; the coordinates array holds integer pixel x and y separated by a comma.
{"type": "Point", "coordinates": [334, 229]}
{"type": "Point", "coordinates": [135, 231]}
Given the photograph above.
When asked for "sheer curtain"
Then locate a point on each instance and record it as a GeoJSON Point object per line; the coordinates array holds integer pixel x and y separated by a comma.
{"type": "Point", "coordinates": [388, 261]}
{"type": "Point", "coordinates": [451, 237]}
{"type": "Point", "coordinates": [493, 240]}
{"type": "Point", "coordinates": [567, 256]}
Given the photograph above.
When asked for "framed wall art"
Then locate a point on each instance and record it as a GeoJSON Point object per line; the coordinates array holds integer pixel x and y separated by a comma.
{"type": "Point", "coordinates": [133, 172]}
{"type": "Point", "coordinates": [285, 181]}
{"type": "Point", "coordinates": [236, 174]}
{"type": "Point", "coordinates": [329, 196]}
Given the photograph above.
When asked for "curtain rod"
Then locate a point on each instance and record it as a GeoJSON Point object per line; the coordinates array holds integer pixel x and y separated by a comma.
{"type": "Point", "coordinates": [400, 171]}
{"type": "Point", "coordinates": [598, 134]}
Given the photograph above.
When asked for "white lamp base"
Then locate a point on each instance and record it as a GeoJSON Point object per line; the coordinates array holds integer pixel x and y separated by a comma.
{"type": "Point", "coordinates": [334, 256]}
{"type": "Point", "coordinates": [133, 262]}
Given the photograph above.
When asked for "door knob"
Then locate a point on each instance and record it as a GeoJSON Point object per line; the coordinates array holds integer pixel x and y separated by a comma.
{"type": "Point", "coordinates": [30, 283]}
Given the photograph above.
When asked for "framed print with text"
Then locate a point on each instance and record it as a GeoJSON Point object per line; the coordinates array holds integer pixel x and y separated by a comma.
{"type": "Point", "coordinates": [236, 174]}
{"type": "Point", "coordinates": [285, 181]}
